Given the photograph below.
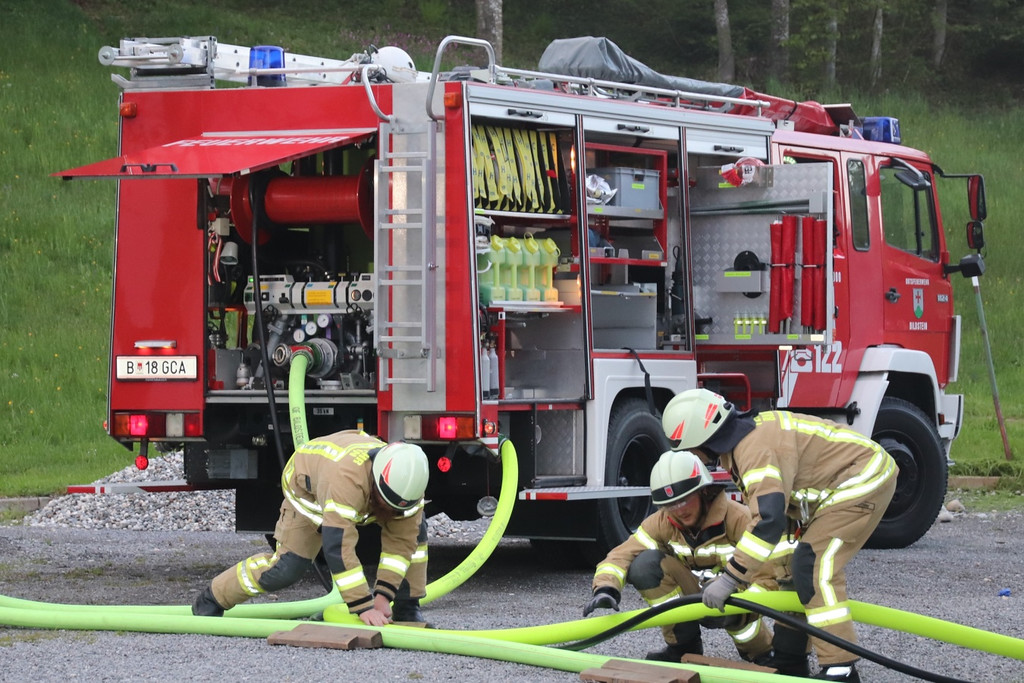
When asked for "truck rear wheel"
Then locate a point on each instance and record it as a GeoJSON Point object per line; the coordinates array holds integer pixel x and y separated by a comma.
{"type": "Point", "coordinates": [635, 441]}
{"type": "Point", "coordinates": [912, 440]}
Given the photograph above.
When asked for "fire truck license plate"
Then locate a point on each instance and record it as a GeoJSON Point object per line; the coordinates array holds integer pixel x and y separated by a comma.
{"type": "Point", "coordinates": [156, 367]}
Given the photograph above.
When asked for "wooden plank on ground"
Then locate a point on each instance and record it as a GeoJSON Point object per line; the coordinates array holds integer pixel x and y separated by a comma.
{"type": "Point", "coordinates": [727, 663]}
{"type": "Point", "coordinates": [334, 637]}
{"type": "Point", "coordinates": [622, 671]}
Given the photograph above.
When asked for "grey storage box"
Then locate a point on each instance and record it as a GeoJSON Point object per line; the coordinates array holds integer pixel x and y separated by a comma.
{"type": "Point", "coordinates": [637, 187]}
{"type": "Point", "coordinates": [624, 315]}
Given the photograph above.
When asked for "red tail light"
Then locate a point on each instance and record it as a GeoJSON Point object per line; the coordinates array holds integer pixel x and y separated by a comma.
{"type": "Point", "coordinates": [447, 427]}
{"type": "Point", "coordinates": [138, 425]}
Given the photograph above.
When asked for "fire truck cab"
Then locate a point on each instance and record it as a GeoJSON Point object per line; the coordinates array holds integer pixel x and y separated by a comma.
{"type": "Point", "coordinates": [493, 253]}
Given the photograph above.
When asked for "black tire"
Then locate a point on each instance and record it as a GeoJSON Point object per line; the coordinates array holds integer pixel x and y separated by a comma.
{"type": "Point", "coordinates": [913, 441]}
{"type": "Point", "coordinates": [635, 441]}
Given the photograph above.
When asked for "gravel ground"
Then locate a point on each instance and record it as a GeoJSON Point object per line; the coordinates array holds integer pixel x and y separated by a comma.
{"type": "Point", "coordinates": [163, 548]}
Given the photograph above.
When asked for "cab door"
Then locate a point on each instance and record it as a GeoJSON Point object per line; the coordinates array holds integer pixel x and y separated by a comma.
{"type": "Point", "coordinates": [917, 294]}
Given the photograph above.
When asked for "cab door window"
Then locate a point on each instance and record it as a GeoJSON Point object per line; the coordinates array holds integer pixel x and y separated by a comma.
{"type": "Point", "coordinates": [860, 229]}
{"type": "Point", "coordinates": [908, 214]}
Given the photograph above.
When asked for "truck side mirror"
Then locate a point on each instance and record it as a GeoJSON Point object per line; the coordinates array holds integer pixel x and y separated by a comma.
{"type": "Point", "coordinates": [971, 265]}
{"type": "Point", "coordinates": [975, 234]}
{"type": "Point", "coordinates": [976, 198]}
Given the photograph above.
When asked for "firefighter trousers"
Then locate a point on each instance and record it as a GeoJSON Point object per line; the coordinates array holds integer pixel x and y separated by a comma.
{"type": "Point", "coordinates": [660, 577]}
{"type": "Point", "coordinates": [298, 543]}
{"type": "Point", "coordinates": [828, 542]}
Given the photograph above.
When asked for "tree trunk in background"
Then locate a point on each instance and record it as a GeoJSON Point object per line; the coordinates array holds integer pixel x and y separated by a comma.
{"type": "Point", "coordinates": [939, 39]}
{"type": "Point", "coordinates": [831, 44]}
{"type": "Point", "coordinates": [876, 48]}
{"type": "Point", "coordinates": [778, 64]}
{"type": "Point", "coordinates": [488, 24]}
{"type": "Point", "coordinates": [726, 59]}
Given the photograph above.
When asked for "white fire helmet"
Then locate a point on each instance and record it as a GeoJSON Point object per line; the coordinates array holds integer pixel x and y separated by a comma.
{"type": "Point", "coordinates": [676, 475]}
{"type": "Point", "coordinates": [693, 416]}
{"type": "Point", "coordinates": [400, 473]}
{"type": "Point", "coordinates": [398, 65]}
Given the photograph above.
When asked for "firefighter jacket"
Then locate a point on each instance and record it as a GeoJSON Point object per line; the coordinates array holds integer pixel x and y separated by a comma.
{"type": "Point", "coordinates": [794, 467]}
{"type": "Point", "coordinates": [709, 549]}
{"type": "Point", "coordinates": [329, 481]}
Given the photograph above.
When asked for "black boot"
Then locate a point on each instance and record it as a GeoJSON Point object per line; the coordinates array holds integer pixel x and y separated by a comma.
{"type": "Point", "coordinates": [206, 606]}
{"type": "Point", "coordinates": [688, 642]}
{"type": "Point", "coordinates": [839, 672]}
{"type": "Point", "coordinates": [674, 653]}
{"type": "Point", "coordinates": [407, 609]}
{"type": "Point", "coordinates": [763, 659]}
{"type": "Point", "coordinates": [789, 655]}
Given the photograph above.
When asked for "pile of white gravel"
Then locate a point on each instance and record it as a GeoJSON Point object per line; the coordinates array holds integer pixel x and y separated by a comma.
{"type": "Point", "coordinates": [170, 511]}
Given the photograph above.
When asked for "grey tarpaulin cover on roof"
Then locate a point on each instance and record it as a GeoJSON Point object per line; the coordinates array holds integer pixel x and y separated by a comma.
{"type": "Point", "coordinates": [601, 59]}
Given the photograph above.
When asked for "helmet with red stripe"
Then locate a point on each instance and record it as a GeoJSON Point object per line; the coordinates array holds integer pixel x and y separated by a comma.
{"type": "Point", "coordinates": [693, 416]}
{"type": "Point", "coordinates": [676, 475]}
{"type": "Point", "coordinates": [400, 473]}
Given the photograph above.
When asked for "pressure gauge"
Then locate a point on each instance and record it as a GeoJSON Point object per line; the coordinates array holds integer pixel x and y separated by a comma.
{"type": "Point", "coordinates": [311, 328]}
{"type": "Point", "coordinates": [323, 320]}
{"type": "Point", "coordinates": [299, 335]}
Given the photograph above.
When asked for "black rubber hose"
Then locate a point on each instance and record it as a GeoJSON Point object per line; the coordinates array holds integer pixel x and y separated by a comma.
{"type": "Point", "coordinates": [781, 617]}
{"type": "Point", "coordinates": [257, 188]}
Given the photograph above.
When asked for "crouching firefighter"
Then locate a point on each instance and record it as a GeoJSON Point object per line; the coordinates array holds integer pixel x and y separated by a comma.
{"type": "Point", "coordinates": [333, 485]}
{"type": "Point", "coordinates": [835, 482]}
{"type": "Point", "coordinates": [695, 527]}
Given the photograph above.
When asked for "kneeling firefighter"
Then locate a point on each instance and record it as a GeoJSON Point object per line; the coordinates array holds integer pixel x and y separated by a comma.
{"type": "Point", "coordinates": [819, 481]}
{"type": "Point", "coordinates": [695, 527]}
{"type": "Point", "coordinates": [332, 485]}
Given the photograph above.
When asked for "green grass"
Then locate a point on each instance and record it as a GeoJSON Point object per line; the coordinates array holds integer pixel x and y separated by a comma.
{"type": "Point", "coordinates": [58, 108]}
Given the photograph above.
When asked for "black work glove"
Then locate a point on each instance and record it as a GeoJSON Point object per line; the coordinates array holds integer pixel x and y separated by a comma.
{"type": "Point", "coordinates": [604, 598]}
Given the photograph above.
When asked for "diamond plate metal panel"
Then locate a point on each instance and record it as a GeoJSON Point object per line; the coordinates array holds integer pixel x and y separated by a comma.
{"type": "Point", "coordinates": [560, 435]}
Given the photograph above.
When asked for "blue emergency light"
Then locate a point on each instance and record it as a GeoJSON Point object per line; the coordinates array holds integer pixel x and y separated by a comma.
{"type": "Point", "coordinates": [882, 129]}
{"type": "Point", "coordinates": [267, 57]}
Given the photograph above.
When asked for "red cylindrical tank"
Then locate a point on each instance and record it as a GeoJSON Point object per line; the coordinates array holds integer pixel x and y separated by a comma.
{"type": "Point", "coordinates": [312, 200]}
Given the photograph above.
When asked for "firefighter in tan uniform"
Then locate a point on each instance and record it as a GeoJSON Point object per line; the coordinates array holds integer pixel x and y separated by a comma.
{"type": "Point", "coordinates": [800, 472]}
{"type": "Point", "coordinates": [332, 485]}
{"type": "Point", "coordinates": [695, 527]}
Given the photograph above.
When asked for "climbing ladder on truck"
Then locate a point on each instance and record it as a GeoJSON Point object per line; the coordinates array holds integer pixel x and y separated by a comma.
{"type": "Point", "coordinates": [405, 245]}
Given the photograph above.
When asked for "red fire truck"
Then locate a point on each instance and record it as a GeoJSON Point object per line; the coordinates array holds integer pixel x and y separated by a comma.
{"type": "Point", "coordinates": [547, 255]}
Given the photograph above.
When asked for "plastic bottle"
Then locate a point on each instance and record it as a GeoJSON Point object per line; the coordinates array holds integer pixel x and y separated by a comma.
{"type": "Point", "coordinates": [485, 371]}
{"type": "Point", "coordinates": [491, 287]}
{"type": "Point", "coordinates": [510, 274]}
{"type": "Point", "coordinates": [493, 357]}
{"type": "Point", "coordinates": [528, 273]}
{"type": "Point", "coordinates": [549, 253]}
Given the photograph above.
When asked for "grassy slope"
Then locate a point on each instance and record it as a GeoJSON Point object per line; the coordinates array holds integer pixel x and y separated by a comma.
{"type": "Point", "coordinates": [55, 245]}
{"type": "Point", "coordinates": [57, 104]}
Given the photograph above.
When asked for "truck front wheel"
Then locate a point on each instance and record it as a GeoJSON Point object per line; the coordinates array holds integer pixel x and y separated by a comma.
{"type": "Point", "coordinates": [635, 441]}
{"type": "Point", "coordinates": [911, 439]}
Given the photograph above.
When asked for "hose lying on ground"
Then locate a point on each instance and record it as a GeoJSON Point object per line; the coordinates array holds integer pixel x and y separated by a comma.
{"type": "Point", "coordinates": [394, 636]}
{"type": "Point", "coordinates": [782, 617]}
